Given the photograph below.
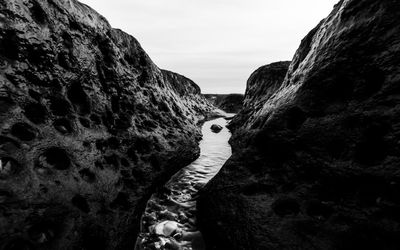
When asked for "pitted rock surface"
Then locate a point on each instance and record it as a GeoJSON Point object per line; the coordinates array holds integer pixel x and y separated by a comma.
{"type": "Point", "coordinates": [90, 126]}
{"type": "Point", "coordinates": [315, 162]}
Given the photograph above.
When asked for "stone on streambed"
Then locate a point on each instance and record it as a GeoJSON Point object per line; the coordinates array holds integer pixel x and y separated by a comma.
{"type": "Point", "coordinates": [216, 128]}
{"type": "Point", "coordinates": [166, 228]}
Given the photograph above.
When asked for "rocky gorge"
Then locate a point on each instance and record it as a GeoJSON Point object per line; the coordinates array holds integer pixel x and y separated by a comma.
{"type": "Point", "coordinates": [90, 127]}
{"type": "Point", "coordinates": [102, 149]}
{"type": "Point", "coordinates": [316, 145]}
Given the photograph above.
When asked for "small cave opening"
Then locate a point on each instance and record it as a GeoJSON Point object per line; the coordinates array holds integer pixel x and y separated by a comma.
{"type": "Point", "coordinates": [36, 113]}
{"type": "Point", "coordinates": [85, 122]}
{"type": "Point", "coordinates": [57, 158]}
{"type": "Point", "coordinates": [60, 107]}
{"type": "Point", "coordinates": [38, 14]}
{"type": "Point", "coordinates": [23, 131]}
{"type": "Point", "coordinates": [79, 98]}
{"type": "Point", "coordinates": [9, 44]}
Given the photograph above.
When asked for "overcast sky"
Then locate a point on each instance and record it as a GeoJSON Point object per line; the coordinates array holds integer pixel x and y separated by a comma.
{"type": "Point", "coordinates": [216, 43]}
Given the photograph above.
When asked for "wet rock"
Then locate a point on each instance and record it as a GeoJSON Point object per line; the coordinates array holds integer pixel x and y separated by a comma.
{"type": "Point", "coordinates": [86, 118]}
{"type": "Point", "coordinates": [316, 143]}
{"type": "Point", "coordinates": [216, 128]}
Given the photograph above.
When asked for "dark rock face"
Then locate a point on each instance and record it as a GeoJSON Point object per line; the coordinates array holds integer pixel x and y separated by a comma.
{"type": "Point", "coordinates": [90, 126]}
{"type": "Point", "coordinates": [216, 128]}
{"type": "Point", "coordinates": [315, 164]}
{"type": "Point", "coordinates": [262, 84]}
{"type": "Point", "coordinates": [230, 103]}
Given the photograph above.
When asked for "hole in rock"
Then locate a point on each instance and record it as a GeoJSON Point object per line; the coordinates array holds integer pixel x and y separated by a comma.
{"type": "Point", "coordinates": [8, 167]}
{"type": "Point", "coordinates": [286, 206]}
{"type": "Point", "coordinates": [60, 107]}
{"type": "Point", "coordinates": [9, 45]}
{"type": "Point", "coordinates": [85, 122]}
{"type": "Point", "coordinates": [81, 203]}
{"type": "Point", "coordinates": [34, 94]}
{"type": "Point", "coordinates": [87, 175]}
{"type": "Point", "coordinates": [79, 98]}
{"type": "Point", "coordinates": [41, 56]}
{"type": "Point", "coordinates": [6, 104]}
{"type": "Point", "coordinates": [23, 131]}
{"type": "Point", "coordinates": [38, 14]}
{"type": "Point", "coordinates": [63, 125]}
{"type": "Point", "coordinates": [36, 113]}
{"type": "Point", "coordinates": [57, 158]}
{"type": "Point", "coordinates": [74, 25]}
{"type": "Point", "coordinates": [67, 41]}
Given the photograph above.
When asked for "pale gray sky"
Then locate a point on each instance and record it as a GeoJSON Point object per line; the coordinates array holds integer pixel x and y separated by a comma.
{"type": "Point", "coordinates": [216, 43]}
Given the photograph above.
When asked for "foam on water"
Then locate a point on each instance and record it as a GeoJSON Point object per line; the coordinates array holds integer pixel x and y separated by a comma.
{"type": "Point", "coordinates": [169, 220]}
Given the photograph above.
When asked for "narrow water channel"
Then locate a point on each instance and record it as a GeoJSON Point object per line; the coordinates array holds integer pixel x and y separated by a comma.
{"type": "Point", "coordinates": [169, 221]}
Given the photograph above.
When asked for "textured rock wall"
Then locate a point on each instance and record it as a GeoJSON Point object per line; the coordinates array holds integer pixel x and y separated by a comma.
{"type": "Point", "coordinates": [265, 81]}
{"type": "Point", "coordinates": [90, 126]}
{"type": "Point", "coordinates": [315, 165]}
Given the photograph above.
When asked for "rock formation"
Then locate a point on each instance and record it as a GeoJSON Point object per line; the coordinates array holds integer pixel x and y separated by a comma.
{"type": "Point", "coordinates": [90, 126]}
{"type": "Point", "coordinates": [315, 163]}
{"type": "Point", "coordinates": [216, 128]}
{"type": "Point", "coordinates": [230, 103]}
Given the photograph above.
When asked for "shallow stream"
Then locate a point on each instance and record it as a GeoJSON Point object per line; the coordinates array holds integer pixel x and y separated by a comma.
{"type": "Point", "coordinates": [169, 221]}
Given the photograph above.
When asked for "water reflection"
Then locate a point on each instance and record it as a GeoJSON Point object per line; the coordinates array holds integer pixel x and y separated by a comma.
{"type": "Point", "coordinates": [169, 221]}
